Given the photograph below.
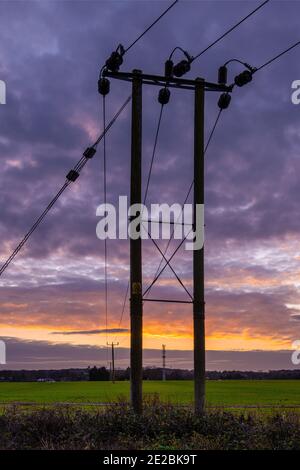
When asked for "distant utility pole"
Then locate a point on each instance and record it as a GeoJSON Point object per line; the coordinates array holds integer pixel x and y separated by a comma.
{"type": "Point", "coordinates": [198, 87]}
{"type": "Point", "coordinates": [164, 362]}
{"type": "Point", "coordinates": [113, 359]}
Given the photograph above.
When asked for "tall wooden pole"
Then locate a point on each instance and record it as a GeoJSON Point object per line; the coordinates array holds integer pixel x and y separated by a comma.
{"type": "Point", "coordinates": [136, 304]}
{"type": "Point", "coordinates": [198, 255]}
{"type": "Point", "coordinates": [164, 362]}
{"type": "Point", "coordinates": [112, 364]}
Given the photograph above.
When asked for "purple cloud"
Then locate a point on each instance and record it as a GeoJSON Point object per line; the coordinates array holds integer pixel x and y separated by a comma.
{"type": "Point", "coordinates": [51, 65]}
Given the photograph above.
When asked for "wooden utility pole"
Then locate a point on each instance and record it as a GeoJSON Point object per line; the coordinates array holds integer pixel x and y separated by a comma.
{"type": "Point", "coordinates": [163, 362]}
{"type": "Point", "coordinates": [198, 255]}
{"type": "Point", "coordinates": [113, 375]}
{"type": "Point", "coordinates": [136, 301]}
{"type": "Point", "coordinates": [198, 86]}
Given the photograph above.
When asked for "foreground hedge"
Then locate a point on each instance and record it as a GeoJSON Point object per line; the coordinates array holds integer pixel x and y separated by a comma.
{"type": "Point", "coordinates": [160, 427]}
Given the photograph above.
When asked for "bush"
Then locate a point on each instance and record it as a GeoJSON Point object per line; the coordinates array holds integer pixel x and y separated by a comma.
{"type": "Point", "coordinates": [160, 427]}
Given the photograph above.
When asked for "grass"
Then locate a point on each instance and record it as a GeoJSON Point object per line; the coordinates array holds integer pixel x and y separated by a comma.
{"type": "Point", "coordinates": [225, 392]}
{"type": "Point", "coordinates": [162, 425]}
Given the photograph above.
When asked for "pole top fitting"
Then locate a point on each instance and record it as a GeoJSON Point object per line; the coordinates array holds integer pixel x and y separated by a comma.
{"type": "Point", "coordinates": [199, 81]}
{"type": "Point", "coordinates": [137, 71]}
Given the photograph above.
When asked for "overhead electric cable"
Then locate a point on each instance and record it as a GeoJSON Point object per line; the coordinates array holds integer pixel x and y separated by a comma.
{"type": "Point", "coordinates": [184, 66]}
{"type": "Point", "coordinates": [164, 253]}
{"type": "Point", "coordinates": [145, 198]}
{"type": "Point", "coordinates": [151, 26]}
{"type": "Point", "coordinates": [278, 55]}
{"type": "Point", "coordinates": [229, 30]}
{"type": "Point", "coordinates": [71, 177]}
{"type": "Point", "coordinates": [153, 154]}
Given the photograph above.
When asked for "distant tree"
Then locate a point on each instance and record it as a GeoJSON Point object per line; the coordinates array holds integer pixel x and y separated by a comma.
{"type": "Point", "coordinates": [100, 374]}
{"type": "Point", "coordinates": [149, 373]}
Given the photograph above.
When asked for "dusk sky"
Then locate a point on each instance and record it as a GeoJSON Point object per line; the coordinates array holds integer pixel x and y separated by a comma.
{"type": "Point", "coordinates": [51, 54]}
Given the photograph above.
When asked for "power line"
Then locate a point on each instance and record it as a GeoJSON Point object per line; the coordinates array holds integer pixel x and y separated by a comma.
{"type": "Point", "coordinates": [71, 177]}
{"type": "Point", "coordinates": [184, 65]}
{"type": "Point", "coordinates": [151, 26]}
{"type": "Point", "coordinates": [123, 307]}
{"type": "Point", "coordinates": [145, 198]}
{"type": "Point", "coordinates": [229, 30]}
{"type": "Point", "coordinates": [136, 309]}
{"type": "Point", "coordinates": [158, 272]}
{"type": "Point", "coordinates": [177, 48]}
{"type": "Point", "coordinates": [153, 153]}
{"type": "Point", "coordinates": [278, 55]}
{"type": "Point", "coordinates": [218, 116]}
{"type": "Point", "coordinates": [213, 130]}
{"type": "Point", "coordinates": [115, 60]}
{"type": "Point", "coordinates": [33, 228]}
{"type": "Point", "coordinates": [112, 122]}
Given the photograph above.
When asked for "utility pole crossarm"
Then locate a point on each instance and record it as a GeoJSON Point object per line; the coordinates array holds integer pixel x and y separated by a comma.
{"type": "Point", "coordinates": [171, 82]}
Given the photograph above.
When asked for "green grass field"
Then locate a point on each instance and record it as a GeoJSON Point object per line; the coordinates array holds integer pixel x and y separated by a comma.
{"type": "Point", "coordinates": [226, 392]}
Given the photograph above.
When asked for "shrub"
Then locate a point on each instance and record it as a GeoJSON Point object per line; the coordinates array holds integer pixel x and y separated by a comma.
{"type": "Point", "coordinates": [162, 426]}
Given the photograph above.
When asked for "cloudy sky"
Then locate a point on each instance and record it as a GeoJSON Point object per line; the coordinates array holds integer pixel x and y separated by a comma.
{"type": "Point", "coordinates": [51, 53]}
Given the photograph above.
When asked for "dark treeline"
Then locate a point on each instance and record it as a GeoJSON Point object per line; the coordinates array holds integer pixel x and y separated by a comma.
{"type": "Point", "coordinates": [101, 373]}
